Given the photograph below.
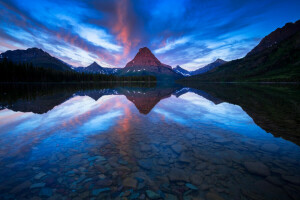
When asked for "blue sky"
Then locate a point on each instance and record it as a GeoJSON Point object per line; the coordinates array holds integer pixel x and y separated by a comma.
{"type": "Point", "coordinates": [110, 32]}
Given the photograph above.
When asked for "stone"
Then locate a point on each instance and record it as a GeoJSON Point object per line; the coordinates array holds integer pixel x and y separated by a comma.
{"type": "Point", "coordinates": [130, 182]}
{"type": "Point", "coordinates": [46, 192]}
{"type": "Point", "coordinates": [145, 148]}
{"type": "Point", "coordinates": [152, 195]}
{"type": "Point", "coordinates": [201, 166]}
{"type": "Point", "coordinates": [270, 147]}
{"type": "Point", "coordinates": [97, 158]}
{"type": "Point", "coordinates": [37, 185]}
{"type": "Point", "coordinates": [213, 196]}
{"type": "Point", "coordinates": [21, 187]}
{"type": "Point", "coordinates": [274, 180]}
{"type": "Point", "coordinates": [178, 175]}
{"type": "Point", "coordinates": [185, 157]}
{"type": "Point", "coordinates": [104, 182]}
{"type": "Point", "coordinates": [145, 163]}
{"type": "Point", "coordinates": [96, 192]}
{"type": "Point", "coordinates": [134, 195]}
{"type": "Point", "coordinates": [178, 148]}
{"type": "Point", "coordinates": [257, 168]}
{"type": "Point", "coordinates": [170, 197]}
{"type": "Point", "coordinates": [292, 179]}
{"type": "Point", "coordinates": [191, 186]}
{"type": "Point", "coordinates": [196, 179]}
{"type": "Point", "coordinates": [39, 175]}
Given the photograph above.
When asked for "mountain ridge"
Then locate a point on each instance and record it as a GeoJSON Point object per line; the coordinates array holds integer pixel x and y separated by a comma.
{"type": "Point", "coordinates": [279, 62]}
{"type": "Point", "coordinates": [37, 57]}
{"type": "Point", "coordinates": [95, 68]}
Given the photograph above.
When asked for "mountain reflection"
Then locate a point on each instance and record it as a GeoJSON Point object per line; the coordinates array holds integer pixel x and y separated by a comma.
{"type": "Point", "coordinates": [274, 108]}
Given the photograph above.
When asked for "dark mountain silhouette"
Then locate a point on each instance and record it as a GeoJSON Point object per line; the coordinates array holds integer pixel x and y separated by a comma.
{"type": "Point", "coordinates": [209, 67]}
{"type": "Point", "coordinates": [275, 59]}
{"type": "Point", "coordinates": [276, 36]}
{"type": "Point", "coordinates": [180, 70]}
{"type": "Point", "coordinates": [37, 57]}
{"type": "Point", "coordinates": [94, 68]}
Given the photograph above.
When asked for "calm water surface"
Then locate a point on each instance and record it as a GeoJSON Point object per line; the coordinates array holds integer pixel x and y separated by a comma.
{"type": "Point", "coordinates": [87, 142]}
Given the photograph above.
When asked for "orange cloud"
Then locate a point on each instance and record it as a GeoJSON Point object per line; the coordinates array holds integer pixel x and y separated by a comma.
{"type": "Point", "coordinates": [121, 28]}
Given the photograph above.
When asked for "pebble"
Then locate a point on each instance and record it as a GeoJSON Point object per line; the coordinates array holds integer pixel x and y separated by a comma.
{"type": "Point", "coordinates": [191, 186]}
{"type": "Point", "coordinates": [39, 175]}
{"type": "Point", "coordinates": [270, 147]}
{"type": "Point", "coordinates": [96, 192]}
{"type": "Point", "coordinates": [257, 168]}
{"type": "Point", "coordinates": [152, 195]}
{"type": "Point", "coordinates": [130, 182]}
{"type": "Point", "coordinates": [37, 185]}
{"type": "Point", "coordinates": [145, 163]}
{"type": "Point", "coordinates": [46, 192]}
{"type": "Point", "coordinates": [292, 179]}
{"type": "Point", "coordinates": [178, 175]}
{"type": "Point", "coordinates": [178, 148]}
{"type": "Point", "coordinates": [170, 197]}
{"type": "Point", "coordinates": [213, 196]}
{"type": "Point", "coordinates": [21, 187]}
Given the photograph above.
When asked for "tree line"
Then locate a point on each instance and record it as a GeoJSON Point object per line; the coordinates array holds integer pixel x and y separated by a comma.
{"type": "Point", "coordinates": [26, 72]}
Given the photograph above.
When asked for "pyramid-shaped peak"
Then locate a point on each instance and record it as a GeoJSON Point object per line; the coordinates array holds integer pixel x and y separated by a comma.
{"type": "Point", "coordinates": [144, 58]}
{"type": "Point", "coordinates": [145, 49]}
{"type": "Point", "coordinates": [220, 60]}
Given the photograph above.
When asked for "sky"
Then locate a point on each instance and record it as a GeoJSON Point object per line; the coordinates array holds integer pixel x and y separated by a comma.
{"type": "Point", "coordinates": [182, 32]}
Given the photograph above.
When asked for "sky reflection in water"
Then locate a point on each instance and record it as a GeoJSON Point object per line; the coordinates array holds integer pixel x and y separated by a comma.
{"type": "Point", "coordinates": [224, 135]}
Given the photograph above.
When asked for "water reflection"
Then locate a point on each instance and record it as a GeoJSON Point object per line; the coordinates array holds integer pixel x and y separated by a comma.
{"type": "Point", "coordinates": [168, 142]}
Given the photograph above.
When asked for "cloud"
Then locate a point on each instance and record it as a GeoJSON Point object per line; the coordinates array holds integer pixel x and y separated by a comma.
{"type": "Point", "coordinates": [190, 33]}
{"type": "Point", "coordinates": [172, 45]}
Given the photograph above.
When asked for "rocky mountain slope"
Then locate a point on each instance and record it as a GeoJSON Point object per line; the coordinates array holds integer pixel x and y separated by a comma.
{"type": "Point", "coordinates": [145, 63]}
{"type": "Point", "coordinates": [37, 57]}
{"type": "Point", "coordinates": [94, 68]}
{"type": "Point", "coordinates": [277, 62]}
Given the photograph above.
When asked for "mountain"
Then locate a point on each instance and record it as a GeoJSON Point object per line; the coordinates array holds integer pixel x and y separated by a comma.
{"type": "Point", "coordinates": [181, 71]}
{"type": "Point", "coordinates": [201, 70]}
{"type": "Point", "coordinates": [279, 62]}
{"type": "Point", "coordinates": [276, 36]}
{"type": "Point", "coordinates": [37, 57]}
{"type": "Point", "coordinates": [145, 63]}
{"type": "Point", "coordinates": [94, 68]}
{"type": "Point", "coordinates": [209, 67]}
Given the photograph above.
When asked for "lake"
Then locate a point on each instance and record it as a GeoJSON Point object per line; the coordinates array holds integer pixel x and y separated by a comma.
{"type": "Point", "coordinates": [209, 141]}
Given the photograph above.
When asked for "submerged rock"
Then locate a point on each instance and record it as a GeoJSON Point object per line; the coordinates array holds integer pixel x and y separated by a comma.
{"type": "Point", "coordinates": [130, 182]}
{"type": "Point", "coordinates": [270, 147]}
{"type": "Point", "coordinates": [178, 175]}
{"type": "Point", "coordinates": [96, 192]}
{"type": "Point", "coordinates": [152, 195]}
{"type": "Point", "coordinates": [37, 185]}
{"type": "Point", "coordinates": [213, 196]}
{"type": "Point", "coordinates": [178, 148]}
{"type": "Point", "coordinates": [292, 179]}
{"type": "Point", "coordinates": [170, 197]}
{"type": "Point", "coordinates": [191, 186]}
{"type": "Point", "coordinates": [46, 192]}
{"type": "Point", "coordinates": [145, 163]}
{"type": "Point", "coordinates": [257, 168]}
{"type": "Point", "coordinates": [40, 175]}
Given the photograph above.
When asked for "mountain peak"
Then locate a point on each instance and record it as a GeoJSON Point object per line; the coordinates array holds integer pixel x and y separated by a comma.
{"type": "Point", "coordinates": [37, 57]}
{"type": "Point", "coordinates": [276, 36]}
{"type": "Point", "coordinates": [144, 58]}
{"type": "Point", "coordinates": [94, 66]}
{"type": "Point", "coordinates": [220, 61]}
{"type": "Point", "coordinates": [145, 50]}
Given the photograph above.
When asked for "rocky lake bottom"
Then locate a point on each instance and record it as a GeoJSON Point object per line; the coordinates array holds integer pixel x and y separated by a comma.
{"type": "Point", "coordinates": [173, 143]}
